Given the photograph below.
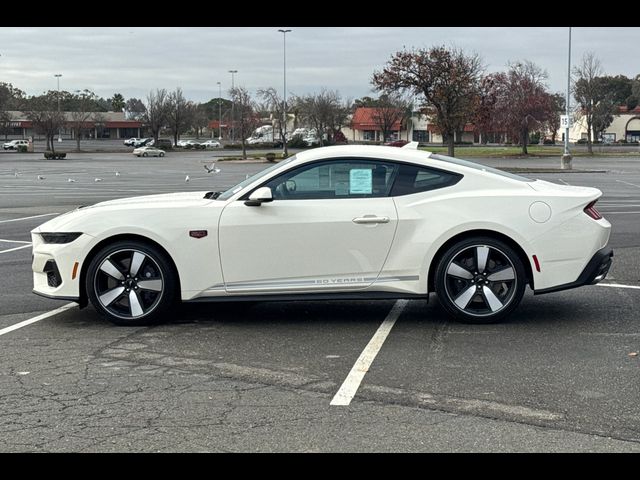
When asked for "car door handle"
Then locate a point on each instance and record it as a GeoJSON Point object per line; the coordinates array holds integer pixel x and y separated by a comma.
{"type": "Point", "coordinates": [369, 219]}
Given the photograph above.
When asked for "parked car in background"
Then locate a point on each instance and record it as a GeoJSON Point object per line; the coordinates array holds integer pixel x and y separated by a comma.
{"type": "Point", "coordinates": [130, 142]}
{"type": "Point", "coordinates": [185, 143]}
{"type": "Point", "coordinates": [162, 143]}
{"type": "Point", "coordinates": [13, 144]}
{"type": "Point", "coordinates": [140, 142]}
{"type": "Point", "coordinates": [211, 144]}
{"type": "Point", "coordinates": [147, 151]}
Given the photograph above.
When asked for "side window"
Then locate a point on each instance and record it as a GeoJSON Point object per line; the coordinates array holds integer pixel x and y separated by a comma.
{"type": "Point", "coordinates": [414, 179]}
{"type": "Point", "coordinates": [335, 179]}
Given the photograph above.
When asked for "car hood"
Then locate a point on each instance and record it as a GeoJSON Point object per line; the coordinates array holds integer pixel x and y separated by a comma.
{"type": "Point", "coordinates": [133, 206]}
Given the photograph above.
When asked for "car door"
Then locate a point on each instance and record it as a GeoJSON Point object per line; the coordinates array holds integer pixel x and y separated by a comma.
{"type": "Point", "coordinates": [329, 227]}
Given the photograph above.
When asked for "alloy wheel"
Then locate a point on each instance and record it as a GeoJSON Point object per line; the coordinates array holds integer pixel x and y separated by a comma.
{"type": "Point", "coordinates": [480, 280]}
{"type": "Point", "coordinates": [129, 284]}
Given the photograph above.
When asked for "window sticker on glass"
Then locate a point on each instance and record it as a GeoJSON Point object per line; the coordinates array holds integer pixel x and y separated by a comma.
{"type": "Point", "coordinates": [360, 181]}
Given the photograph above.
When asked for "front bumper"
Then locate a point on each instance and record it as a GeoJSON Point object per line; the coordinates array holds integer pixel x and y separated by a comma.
{"type": "Point", "coordinates": [595, 271]}
{"type": "Point", "coordinates": [53, 267]}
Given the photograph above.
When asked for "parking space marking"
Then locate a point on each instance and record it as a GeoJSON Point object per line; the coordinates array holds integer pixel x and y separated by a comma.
{"type": "Point", "coordinates": [13, 241]}
{"type": "Point", "coordinates": [15, 248]}
{"type": "Point", "coordinates": [627, 183]}
{"type": "Point", "coordinates": [352, 382]}
{"type": "Point", "coordinates": [27, 218]}
{"type": "Point", "coordinates": [617, 285]}
{"type": "Point", "coordinates": [24, 323]}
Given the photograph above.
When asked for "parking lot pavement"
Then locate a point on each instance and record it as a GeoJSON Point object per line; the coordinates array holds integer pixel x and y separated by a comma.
{"type": "Point", "coordinates": [260, 376]}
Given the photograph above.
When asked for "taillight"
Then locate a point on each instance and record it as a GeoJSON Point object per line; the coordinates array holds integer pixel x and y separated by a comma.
{"type": "Point", "coordinates": [592, 212]}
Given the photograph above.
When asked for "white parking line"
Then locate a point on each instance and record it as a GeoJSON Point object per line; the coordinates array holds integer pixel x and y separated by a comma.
{"type": "Point", "coordinates": [24, 323]}
{"type": "Point", "coordinates": [27, 218]}
{"type": "Point", "coordinates": [15, 248]}
{"type": "Point", "coordinates": [13, 241]}
{"type": "Point", "coordinates": [618, 285]}
{"type": "Point", "coordinates": [628, 183]}
{"type": "Point", "coordinates": [352, 382]}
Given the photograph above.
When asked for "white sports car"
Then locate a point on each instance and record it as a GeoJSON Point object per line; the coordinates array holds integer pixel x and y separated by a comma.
{"type": "Point", "coordinates": [345, 222]}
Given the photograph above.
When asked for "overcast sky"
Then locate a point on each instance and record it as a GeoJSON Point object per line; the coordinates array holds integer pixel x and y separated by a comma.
{"type": "Point", "coordinates": [133, 60]}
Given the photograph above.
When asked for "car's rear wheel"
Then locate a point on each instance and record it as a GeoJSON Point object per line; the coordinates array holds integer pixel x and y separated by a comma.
{"type": "Point", "coordinates": [161, 154]}
{"type": "Point", "coordinates": [131, 283]}
{"type": "Point", "coordinates": [145, 154]}
{"type": "Point", "coordinates": [480, 280]}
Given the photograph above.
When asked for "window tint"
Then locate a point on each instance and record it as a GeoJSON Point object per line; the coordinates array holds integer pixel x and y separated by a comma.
{"type": "Point", "coordinates": [335, 179]}
{"type": "Point", "coordinates": [414, 179]}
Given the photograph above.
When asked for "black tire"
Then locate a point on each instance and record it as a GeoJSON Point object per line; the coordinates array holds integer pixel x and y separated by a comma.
{"type": "Point", "coordinates": [145, 154]}
{"type": "Point", "coordinates": [161, 154]}
{"type": "Point", "coordinates": [480, 280]}
{"type": "Point", "coordinates": [131, 283]}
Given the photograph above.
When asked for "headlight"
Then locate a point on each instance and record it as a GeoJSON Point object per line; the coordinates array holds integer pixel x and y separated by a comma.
{"type": "Point", "coordinates": [64, 237]}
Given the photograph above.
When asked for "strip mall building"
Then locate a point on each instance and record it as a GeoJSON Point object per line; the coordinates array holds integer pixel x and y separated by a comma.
{"type": "Point", "coordinates": [107, 125]}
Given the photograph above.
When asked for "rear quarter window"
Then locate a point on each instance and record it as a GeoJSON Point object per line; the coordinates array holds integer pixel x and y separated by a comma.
{"type": "Point", "coordinates": [414, 179]}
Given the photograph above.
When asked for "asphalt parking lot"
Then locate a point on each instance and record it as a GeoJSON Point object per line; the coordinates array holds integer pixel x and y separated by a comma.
{"type": "Point", "coordinates": [262, 377]}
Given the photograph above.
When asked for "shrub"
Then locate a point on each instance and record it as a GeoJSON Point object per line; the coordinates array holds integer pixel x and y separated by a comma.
{"type": "Point", "coordinates": [271, 157]}
{"type": "Point", "coordinates": [582, 141]}
{"type": "Point", "coordinates": [51, 155]}
{"type": "Point", "coordinates": [548, 141]}
{"type": "Point", "coordinates": [22, 149]}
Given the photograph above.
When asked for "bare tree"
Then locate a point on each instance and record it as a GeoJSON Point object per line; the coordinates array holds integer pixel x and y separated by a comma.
{"type": "Point", "coordinates": [275, 105]}
{"type": "Point", "coordinates": [446, 78]}
{"type": "Point", "coordinates": [245, 116]}
{"type": "Point", "coordinates": [5, 123]}
{"type": "Point", "coordinates": [179, 114]}
{"type": "Point", "coordinates": [80, 118]}
{"type": "Point", "coordinates": [199, 119]}
{"type": "Point", "coordinates": [388, 114]}
{"type": "Point", "coordinates": [156, 114]}
{"type": "Point", "coordinates": [45, 117]}
{"type": "Point", "coordinates": [590, 92]}
{"type": "Point", "coordinates": [522, 102]}
{"type": "Point", "coordinates": [324, 111]}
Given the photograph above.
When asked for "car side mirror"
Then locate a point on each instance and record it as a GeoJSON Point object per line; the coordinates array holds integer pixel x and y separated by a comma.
{"type": "Point", "coordinates": [259, 196]}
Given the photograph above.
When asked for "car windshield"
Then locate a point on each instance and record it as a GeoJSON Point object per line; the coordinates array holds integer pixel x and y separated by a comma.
{"type": "Point", "coordinates": [478, 166]}
{"type": "Point", "coordinates": [235, 189]}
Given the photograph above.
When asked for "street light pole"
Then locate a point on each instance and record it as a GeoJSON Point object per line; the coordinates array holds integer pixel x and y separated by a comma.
{"type": "Point", "coordinates": [284, 63]}
{"type": "Point", "coordinates": [566, 158]}
{"type": "Point", "coordinates": [58, 75]}
{"type": "Point", "coordinates": [219, 111]}
{"type": "Point", "coordinates": [233, 104]}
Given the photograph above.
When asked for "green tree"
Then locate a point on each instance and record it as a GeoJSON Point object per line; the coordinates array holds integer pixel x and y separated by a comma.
{"type": "Point", "coordinates": [117, 102]}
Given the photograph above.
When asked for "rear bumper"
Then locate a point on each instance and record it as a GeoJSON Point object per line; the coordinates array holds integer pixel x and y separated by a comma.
{"type": "Point", "coordinates": [595, 271]}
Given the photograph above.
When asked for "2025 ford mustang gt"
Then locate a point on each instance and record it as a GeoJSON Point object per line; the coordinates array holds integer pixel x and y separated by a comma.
{"type": "Point", "coordinates": [344, 222]}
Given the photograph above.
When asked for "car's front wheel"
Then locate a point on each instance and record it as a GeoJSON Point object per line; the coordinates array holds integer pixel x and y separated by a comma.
{"type": "Point", "coordinates": [161, 154]}
{"type": "Point", "coordinates": [131, 283]}
{"type": "Point", "coordinates": [480, 280]}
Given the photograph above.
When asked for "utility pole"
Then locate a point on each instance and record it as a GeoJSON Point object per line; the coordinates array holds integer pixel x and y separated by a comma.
{"type": "Point", "coordinates": [58, 75]}
{"type": "Point", "coordinates": [233, 104]}
{"type": "Point", "coordinates": [565, 162]}
{"type": "Point", "coordinates": [219, 111]}
{"type": "Point", "coordinates": [284, 113]}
